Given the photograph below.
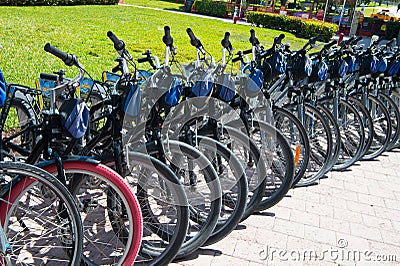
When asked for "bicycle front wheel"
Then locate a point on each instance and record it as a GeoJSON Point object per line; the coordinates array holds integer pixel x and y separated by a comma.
{"type": "Point", "coordinates": [40, 219]}
{"type": "Point", "coordinates": [111, 217]}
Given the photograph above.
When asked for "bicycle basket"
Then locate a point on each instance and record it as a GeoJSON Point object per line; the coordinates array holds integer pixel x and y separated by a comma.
{"type": "Point", "coordinates": [368, 64]}
{"type": "Point", "coordinates": [382, 65]}
{"type": "Point", "coordinates": [225, 90]}
{"type": "Point", "coordinates": [203, 87]}
{"type": "Point", "coordinates": [2, 89]}
{"type": "Point", "coordinates": [254, 83]}
{"type": "Point", "coordinates": [274, 65]}
{"type": "Point", "coordinates": [338, 68]}
{"type": "Point", "coordinates": [132, 100]}
{"type": "Point", "coordinates": [319, 73]}
{"type": "Point", "coordinates": [74, 117]}
{"type": "Point", "coordinates": [301, 66]}
{"type": "Point", "coordinates": [393, 68]}
{"type": "Point", "coordinates": [351, 62]}
{"type": "Point", "coordinates": [174, 92]}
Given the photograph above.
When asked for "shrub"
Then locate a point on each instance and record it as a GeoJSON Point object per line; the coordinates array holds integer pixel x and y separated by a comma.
{"type": "Point", "coordinates": [210, 8]}
{"type": "Point", "coordinates": [301, 27]}
{"type": "Point", "coordinates": [55, 2]}
{"type": "Point", "coordinates": [392, 29]}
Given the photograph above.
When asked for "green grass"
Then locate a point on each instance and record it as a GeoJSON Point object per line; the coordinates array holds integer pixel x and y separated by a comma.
{"type": "Point", "coordinates": [157, 3]}
{"type": "Point", "coordinates": [82, 30]}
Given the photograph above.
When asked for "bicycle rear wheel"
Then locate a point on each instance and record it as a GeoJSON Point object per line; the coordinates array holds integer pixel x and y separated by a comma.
{"type": "Point", "coordinates": [40, 219]}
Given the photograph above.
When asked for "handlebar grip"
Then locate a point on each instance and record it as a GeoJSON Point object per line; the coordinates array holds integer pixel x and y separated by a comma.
{"type": "Point", "coordinates": [356, 40]}
{"type": "Point", "coordinates": [167, 39]}
{"type": "Point", "coordinates": [253, 39]}
{"type": "Point", "coordinates": [329, 45]}
{"type": "Point", "coordinates": [225, 41]}
{"type": "Point", "coordinates": [118, 44]}
{"type": "Point", "coordinates": [278, 40]}
{"type": "Point", "coordinates": [389, 43]}
{"type": "Point", "coordinates": [142, 60]}
{"type": "Point", "coordinates": [48, 76]}
{"type": "Point", "coordinates": [69, 59]}
{"type": "Point", "coordinates": [314, 39]}
{"type": "Point", "coordinates": [236, 59]}
{"type": "Point", "coordinates": [193, 40]}
{"type": "Point", "coordinates": [248, 51]}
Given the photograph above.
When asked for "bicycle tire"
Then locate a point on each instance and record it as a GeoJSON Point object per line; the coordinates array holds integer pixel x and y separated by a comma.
{"type": "Point", "coordinates": [86, 180]}
{"type": "Point", "coordinates": [382, 127]}
{"type": "Point", "coordinates": [235, 190]}
{"type": "Point", "coordinates": [160, 246]}
{"type": "Point", "coordinates": [367, 123]}
{"type": "Point", "coordinates": [394, 118]}
{"type": "Point", "coordinates": [352, 133]}
{"type": "Point", "coordinates": [19, 201]}
{"type": "Point", "coordinates": [298, 140]}
{"type": "Point", "coordinates": [320, 143]}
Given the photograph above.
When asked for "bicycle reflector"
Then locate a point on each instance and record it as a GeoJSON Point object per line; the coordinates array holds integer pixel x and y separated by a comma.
{"type": "Point", "coordinates": [74, 117]}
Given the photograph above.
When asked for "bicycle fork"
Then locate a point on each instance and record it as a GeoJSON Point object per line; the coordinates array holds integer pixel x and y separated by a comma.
{"type": "Point", "coordinates": [5, 247]}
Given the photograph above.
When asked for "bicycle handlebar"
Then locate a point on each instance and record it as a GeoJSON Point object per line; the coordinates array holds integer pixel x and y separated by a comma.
{"type": "Point", "coordinates": [226, 42]}
{"type": "Point", "coordinates": [278, 40]}
{"type": "Point", "coordinates": [119, 45]}
{"type": "Point", "coordinates": [68, 59]}
{"type": "Point", "coordinates": [193, 40]}
{"type": "Point", "coordinates": [253, 39]}
{"type": "Point", "coordinates": [167, 39]}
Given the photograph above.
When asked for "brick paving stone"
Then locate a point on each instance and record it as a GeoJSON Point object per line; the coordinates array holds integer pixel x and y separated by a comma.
{"type": "Point", "coordinates": [245, 232]}
{"type": "Point", "coordinates": [352, 242]}
{"type": "Point", "coordinates": [334, 224]}
{"type": "Point", "coordinates": [272, 238]}
{"type": "Point", "coordinates": [377, 222]}
{"type": "Point", "coordinates": [387, 213]}
{"type": "Point", "coordinates": [396, 225]}
{"type": "Point", "coordinates": [290, 228]}
{"type": "Point", "coordinates": [351, 186]}
{"type": "Point", "coordinates": [366, 232]}
{"type": "Point", "coordinates": [360, 207]}
{"type": "Point", "coordinates": [303, 217]}
{"type": "Point", "coordinates": [321, 210]}
{"type": "Point", "coordinates": [279, 212]}
{"type": "Point", "coordinates": [384, 193]}
{"type": "Point", "coordinates": [391, 237]}
{"type": "Point", "coordinates": [371, 199]}
{"type": "Point", "coordinates": [392, 204]}
{"type": "Point", "coordinates": [319, 235]}
{"type": "Point", "coordinates": [248, 250]}
{"type": "Point", "coordinates": [332, 201]}
{"type": "Point", "coordinates": [347, 215]}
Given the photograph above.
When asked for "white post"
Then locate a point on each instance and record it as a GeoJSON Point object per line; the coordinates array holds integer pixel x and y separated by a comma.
{"type": "Point", "coordinates": [341, 14]}
{"type": "Point", "coordinates": [326, 7]}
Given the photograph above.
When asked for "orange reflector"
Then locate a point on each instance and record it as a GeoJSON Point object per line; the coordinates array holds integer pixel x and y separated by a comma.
{"type": "Point", "coordinates": [297, 155]}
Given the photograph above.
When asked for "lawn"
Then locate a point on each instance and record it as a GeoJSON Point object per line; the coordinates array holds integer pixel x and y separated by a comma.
{"type": "Point", "coordinates": [82, 30]}
{"type": "Point", "coordinates": [157, 3]}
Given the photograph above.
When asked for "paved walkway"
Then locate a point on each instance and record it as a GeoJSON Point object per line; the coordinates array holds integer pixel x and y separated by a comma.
{"type": "Point", "coordinates": [350, 218]}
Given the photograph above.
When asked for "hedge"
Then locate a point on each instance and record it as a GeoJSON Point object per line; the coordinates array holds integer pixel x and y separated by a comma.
{"type": "Point", "coordinates": [210, 8]}
{"type": "Point", "coordinates": [300, 27]}
{"type": "Point", "coordinates": [392, 29]}
{"type": "Point", "coordinates": [56, 2]}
